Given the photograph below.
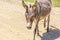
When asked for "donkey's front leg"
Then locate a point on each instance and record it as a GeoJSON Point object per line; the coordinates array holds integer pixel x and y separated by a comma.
{"type": "Point", "coordinates": [37, 30]}
{"type": "Point", "coordinates": [34, 33]}
{"type": "Point", "coordinates": [37, 27]}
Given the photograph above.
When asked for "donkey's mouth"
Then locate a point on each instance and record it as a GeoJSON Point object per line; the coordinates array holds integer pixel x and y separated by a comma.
{"type": "Point", "coordinates": [28, 27]}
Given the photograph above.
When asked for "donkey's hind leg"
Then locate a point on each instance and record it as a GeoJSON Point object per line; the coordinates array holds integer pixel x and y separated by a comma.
{"type": "Point", "coordinates": [48, 23]}
{"type": "Point", "coordinates": [44, 22]}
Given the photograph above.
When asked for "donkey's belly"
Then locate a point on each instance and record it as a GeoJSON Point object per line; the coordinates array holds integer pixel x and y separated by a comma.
{"type": "Point", "coordinates": [44, 12]}
{"type": "Point", "coordinates": [44, 16]}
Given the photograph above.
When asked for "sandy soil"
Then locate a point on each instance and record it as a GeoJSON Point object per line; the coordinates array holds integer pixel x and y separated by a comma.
{"type": "Point", "coordinates": [13, 24]}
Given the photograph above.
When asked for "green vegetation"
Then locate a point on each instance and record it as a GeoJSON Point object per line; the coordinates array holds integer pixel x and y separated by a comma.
{"type": "Point", "coordinates": [55, 3]}
{"type": "Point", "coordinates": [29, 0]}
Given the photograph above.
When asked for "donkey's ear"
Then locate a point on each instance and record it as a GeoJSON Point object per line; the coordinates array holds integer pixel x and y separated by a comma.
{"type": "Point", "coordinates": [24, 5]}
{"type": "Point", "coordinates": [34, 6]}
{"type": "Point", "coordinates": [35, 2]}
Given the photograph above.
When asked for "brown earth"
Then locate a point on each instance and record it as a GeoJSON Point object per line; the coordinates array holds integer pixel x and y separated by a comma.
{"type": "Point", "coordinates": [13, 24]}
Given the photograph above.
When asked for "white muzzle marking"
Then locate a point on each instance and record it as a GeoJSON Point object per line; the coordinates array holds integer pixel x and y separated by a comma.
{"type": "Point", "coordinates": [28, 24]}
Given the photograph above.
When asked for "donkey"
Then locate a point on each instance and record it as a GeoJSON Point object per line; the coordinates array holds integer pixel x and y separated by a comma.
{"type": "Point", "coordinates": [38, 11]}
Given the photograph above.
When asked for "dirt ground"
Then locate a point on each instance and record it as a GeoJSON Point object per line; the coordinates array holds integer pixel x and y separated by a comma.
{"type": "Point", "coordinates": [13, 24]}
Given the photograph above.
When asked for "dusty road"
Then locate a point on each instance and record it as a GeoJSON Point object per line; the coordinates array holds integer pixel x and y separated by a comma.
{"type": "Point", "coordinates": [13, 24]}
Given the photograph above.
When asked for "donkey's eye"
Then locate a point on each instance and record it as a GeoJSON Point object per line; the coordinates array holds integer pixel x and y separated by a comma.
{"type": "Point", "coordinates": [27, 10]}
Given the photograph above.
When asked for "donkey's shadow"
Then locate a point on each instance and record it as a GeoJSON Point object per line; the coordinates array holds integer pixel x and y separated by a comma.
{"type": "Point", "coordinates": [51, 35]}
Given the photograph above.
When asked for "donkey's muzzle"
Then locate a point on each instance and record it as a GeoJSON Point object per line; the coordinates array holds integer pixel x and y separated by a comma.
{"type": "Point", "coordinates": [29, 25]}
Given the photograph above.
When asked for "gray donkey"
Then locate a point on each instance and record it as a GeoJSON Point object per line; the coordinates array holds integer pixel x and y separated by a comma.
{"type": "Point", "coordinates": [38, 11]}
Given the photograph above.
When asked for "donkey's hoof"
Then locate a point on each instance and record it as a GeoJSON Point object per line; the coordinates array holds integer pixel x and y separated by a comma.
{"type": "Point", "coordinates": [37, 34]}
{"type": "Point", "coordinates": [47, 30]}
{"type": "Point", "coordinates": [33, 39]}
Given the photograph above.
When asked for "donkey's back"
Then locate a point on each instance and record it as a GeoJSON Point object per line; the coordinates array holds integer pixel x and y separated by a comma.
{"type": "Point", "coordinates": [44, 8]}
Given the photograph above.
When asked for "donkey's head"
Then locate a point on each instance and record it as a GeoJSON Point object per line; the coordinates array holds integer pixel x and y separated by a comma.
{"type": "Point", "coordinates": [29, 13]}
